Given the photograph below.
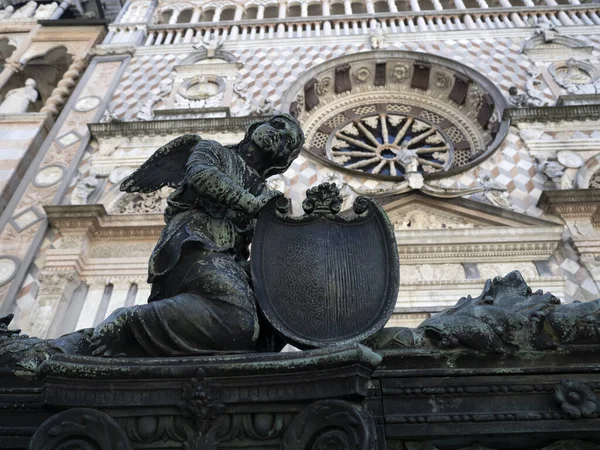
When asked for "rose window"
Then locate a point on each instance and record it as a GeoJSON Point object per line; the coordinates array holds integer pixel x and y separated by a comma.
{"type": "Point", "coordinates": [390, 143]}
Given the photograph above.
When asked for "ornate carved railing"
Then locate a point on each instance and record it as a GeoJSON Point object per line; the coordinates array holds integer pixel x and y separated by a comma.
{"type": "Point", "coordinates": [361, 24]}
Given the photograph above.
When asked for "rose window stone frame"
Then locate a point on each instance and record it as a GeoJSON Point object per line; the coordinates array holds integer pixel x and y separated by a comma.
{"type": "Point", "coordinates": [464, 107]}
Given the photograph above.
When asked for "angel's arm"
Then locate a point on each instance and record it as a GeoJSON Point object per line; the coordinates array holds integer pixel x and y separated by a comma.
{"type": "Point", "coordinates": [206, 172]}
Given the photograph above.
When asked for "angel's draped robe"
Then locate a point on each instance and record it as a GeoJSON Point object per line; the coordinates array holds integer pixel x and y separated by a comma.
{"type": "Point", "coordinates": [201, 299]}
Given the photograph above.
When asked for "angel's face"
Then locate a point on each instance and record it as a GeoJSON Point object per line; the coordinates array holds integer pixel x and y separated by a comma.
{"type": "Point", "coordinates": [278, 137]}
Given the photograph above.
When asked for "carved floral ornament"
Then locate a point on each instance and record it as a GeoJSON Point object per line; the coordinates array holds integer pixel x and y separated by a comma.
{"type": "Point", "coordinates": [385, 113]}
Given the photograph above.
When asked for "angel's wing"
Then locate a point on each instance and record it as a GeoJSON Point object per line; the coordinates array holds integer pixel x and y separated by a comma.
{"type": "Point", "coordinates": [166, 167]}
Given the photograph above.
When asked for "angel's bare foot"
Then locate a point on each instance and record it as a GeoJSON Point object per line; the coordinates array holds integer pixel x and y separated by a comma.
{"type": "Point", "coordinates": [109, 337]}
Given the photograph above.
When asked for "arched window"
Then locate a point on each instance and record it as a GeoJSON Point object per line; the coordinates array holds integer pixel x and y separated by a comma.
{"type": "Point", "coordinates": [271, 12]}
{"type": "Point", "coordinates": [426, 5]}
{"type": "Point", "coordinates": [294, 11]}
{"type": "Point", "coordinates": [165, 16]}
{"type": "Point", "coordinates": [381, 7]}
{"type": "Point", "coordinates": [251, 12]}
{"type": "Point", "coordinates": [337, 9]}
{"type": "Point", "coordinates": [185, 16]}
{"type": "Point", "coordinates": [358, 8]}
{"type": "Point", "coordinates": [315, 9]}
{"type": "Point", "coordinates": [208, 14]}
{"type": "Point", "coordinates": [228, 13]}
{"type": "Point", "coordinates": [403, 5]}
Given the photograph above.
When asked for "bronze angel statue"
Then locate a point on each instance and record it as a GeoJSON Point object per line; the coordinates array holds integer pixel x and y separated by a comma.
{"type": "Point", "coordinates": [201, 299]}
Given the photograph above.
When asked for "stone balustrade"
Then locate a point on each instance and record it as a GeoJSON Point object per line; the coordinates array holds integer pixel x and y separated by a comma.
{"type": "Point", "coordinates": [361, 24]}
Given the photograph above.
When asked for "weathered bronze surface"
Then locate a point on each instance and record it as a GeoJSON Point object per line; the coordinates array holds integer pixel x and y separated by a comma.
{"type": "Point", "coordinates": [341, 397]}
{"type": "Point", "coordinates": [324, 279]}
{"type": "Point", "coordinates": [201, 300]}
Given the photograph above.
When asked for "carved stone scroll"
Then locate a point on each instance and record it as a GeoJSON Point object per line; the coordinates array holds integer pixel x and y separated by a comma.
{"type": "Point", "coordinates": [329, 424]}
{"type": "Point", "coordinates": [80, 428]}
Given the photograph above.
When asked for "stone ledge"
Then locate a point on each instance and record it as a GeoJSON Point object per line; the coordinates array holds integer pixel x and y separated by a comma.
{"type": "Point", "coordinates": [168, 127]}
{"type": "Point", "coordinates": [553, 113]}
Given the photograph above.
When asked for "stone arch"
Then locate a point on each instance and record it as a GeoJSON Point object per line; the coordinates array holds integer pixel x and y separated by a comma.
{"type": "Point", "coordinates": [228, 13]}
{"type": "Point", "coordinates": [381, 6]}
{"type": "Point", "coordinates": [337, 8]}
{"type": "Point", "coordinates": [358, 7]}
{"type": "Point", "coordinates": [185, 15]}
{"type": "Point", "coordinates": [294, 9]}
{"type": "Point", "coordinates": [315, 8]}
{"type": "Point", "coordinates": [558, 41]}
{"type": "Point", "coordinates": [165, 15]}
{"type": "Point", "coordinates": [271, 11]}
{"type": "Point", "coordinates": [47, 69]}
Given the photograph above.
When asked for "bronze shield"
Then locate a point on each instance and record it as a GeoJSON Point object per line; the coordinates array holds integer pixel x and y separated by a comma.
{"type": "Point", "coordinates": [323, 279]}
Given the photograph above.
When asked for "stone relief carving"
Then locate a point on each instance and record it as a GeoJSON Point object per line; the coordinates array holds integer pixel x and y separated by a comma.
{"type": "Point", "coordinates": [431, 272]}
{"type": "Point", "coordinates": [323, 86]}
{"type": "Point", "coordinates": [362, 74]}
{"type": "Point", "coordinates": [532, 86]}
{"type": "Point", "coordinates": [84, 188]}
{"type": "Point", "coordinates": [576, 77]}
{"type": "Point", "coordinates": [595, 180]}
{"type": "Point", "coordinates": [427, 220]}
{"type": "Point", "coordinates": [545, 28]}
{"type": "Point", "coordinates": [491, 270]}
{"type": "Point", "coordinates": [495, 192]}
{"type": "Point", "coordinates": [17, 101]}
{"type": "Point", "coordinates": [521, 100]}
{"type": "Point", "coordinates": [211, 46]}
{"type": "Point", "coordinates": [400, 72]}
{"type": "Point", "coordinates": [138, 203]}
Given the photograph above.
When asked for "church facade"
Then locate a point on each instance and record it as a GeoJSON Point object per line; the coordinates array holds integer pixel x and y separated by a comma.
{"type": "Point", "coordinates": [475, 123]}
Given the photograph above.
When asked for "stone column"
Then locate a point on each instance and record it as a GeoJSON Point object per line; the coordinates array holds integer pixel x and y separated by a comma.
{"type": "Point", "coordinates": [239, 13]}
{"type": "Point", "coordinates": [55, 288]}
{"type": "Point", "coordinates": [65, 86]}
{"type": "Point", "coordinates": [348, 7]}
{"type": "Point", "coordinates": [482, 4]}
{"type": "Point", "coordinates": [414, 5]}
{"type": "Point", "coordinates": [10, 67]}
{"type": "Point", "coordinates": [392, 6]}
{"type": "Point", "coordinates": [260, 12]}
{"type": "Point", "coordinates": [217, 15]}
{"type": "Point", "coordinates": [174, 17]}
{"type": "Point", "coordinates": [580, 211]}
{"type": "Point", "coordinates": [370, 7]}
{"type": "Point", "coordinates": [326, 12]}
{"type": "Point", "coordinates": [58, 12]}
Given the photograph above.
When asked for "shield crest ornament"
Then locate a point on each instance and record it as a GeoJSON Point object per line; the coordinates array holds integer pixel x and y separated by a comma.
{"type": "Point", "coordinates": [322, 279]}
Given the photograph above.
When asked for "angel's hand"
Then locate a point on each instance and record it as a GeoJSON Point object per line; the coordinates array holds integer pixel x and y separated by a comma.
{"type": "Point", "coordinates": [261, 201]}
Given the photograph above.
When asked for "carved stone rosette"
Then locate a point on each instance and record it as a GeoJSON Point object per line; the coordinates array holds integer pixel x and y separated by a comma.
{"type": "Point", "coordinates": [82, 429]}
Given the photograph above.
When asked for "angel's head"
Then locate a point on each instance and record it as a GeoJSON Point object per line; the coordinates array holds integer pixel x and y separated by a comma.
{"type": "Point", "coordinates": [271, 146]}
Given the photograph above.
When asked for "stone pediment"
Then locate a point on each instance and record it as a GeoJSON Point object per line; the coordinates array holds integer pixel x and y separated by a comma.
{"type": "Point", "coordinates": [460, 230]}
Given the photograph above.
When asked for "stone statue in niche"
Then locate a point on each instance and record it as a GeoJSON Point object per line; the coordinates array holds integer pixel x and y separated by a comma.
{"type": "Point", "coordinates": [546, 29]}
{"type": "Point", "coordinates": [211, 46]}
{"type": "Point", "coordinates": [17, 101]}
{"type": "Point", "coordinates": [521, 100]}
{"type": "Point", "coordinates": [495, 193]}
{"type": "Point", "coordinates": [201, 300]}
{"type": "Point", "coordinates": [378, 37]}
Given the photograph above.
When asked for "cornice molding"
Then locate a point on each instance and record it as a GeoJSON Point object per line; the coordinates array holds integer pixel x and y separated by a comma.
{"type": "Point", "coordinates": [553, 113]}
{"type": "Point", "coordinates": [571, 203]}
{"type": "Point", "coordinates": [169, 127]}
